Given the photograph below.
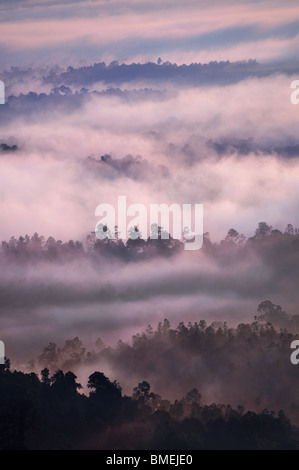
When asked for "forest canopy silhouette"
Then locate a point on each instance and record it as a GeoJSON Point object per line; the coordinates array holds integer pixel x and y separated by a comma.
{"type": "Point", "coordinates": [242, 365]}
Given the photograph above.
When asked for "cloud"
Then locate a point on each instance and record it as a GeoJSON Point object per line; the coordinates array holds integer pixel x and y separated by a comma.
{"type": "Point", "coordinates": [77, 132]}
{"type": "Point", "coordinates": [115, 30]}
{"type": "Point", "coordinates": [180, 145]}
{"type": "Point", "coordinates": [92, 296]}
{"type": "Point", "coordinates": [135, 168]}
{"type": "Point", "coordinates": [225, 144]}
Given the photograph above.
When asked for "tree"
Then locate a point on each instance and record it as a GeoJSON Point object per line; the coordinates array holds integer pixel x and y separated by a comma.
{"type": "Point", "coordinates": [142, 391]}
{"type": "Point", "coordinates": [45, 375]}
{"type": "Point", "coordinates": [263, 230]}
{"type": "Point", "coordinates": [102, 388]}
{"type": "Point", "coordinates": [193, 397]}
{"type": "Point", "coordinates": [5, 368]}
{"type": "Point", "coordinates": [49, 356]}
{"type": "Point", "coordinates": [65, 385]}
{"type": "Point", "coordinates": [289, 230]}
{"type": "Point", "coordinates": [233, 237]}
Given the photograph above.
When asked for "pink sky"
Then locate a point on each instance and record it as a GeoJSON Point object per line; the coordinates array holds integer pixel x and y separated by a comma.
{"type": "Point", "coordinates": [129, 30]}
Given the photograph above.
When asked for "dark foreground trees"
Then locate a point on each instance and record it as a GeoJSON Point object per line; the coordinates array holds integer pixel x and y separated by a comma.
{"type": "Point", "coordinates": [50, 413]}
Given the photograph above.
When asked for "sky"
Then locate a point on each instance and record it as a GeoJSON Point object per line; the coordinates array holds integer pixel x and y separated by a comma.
{"type": "Point", "coordinates": [51, 32]}
{"type": "Point", "coordinates": [82, 80]}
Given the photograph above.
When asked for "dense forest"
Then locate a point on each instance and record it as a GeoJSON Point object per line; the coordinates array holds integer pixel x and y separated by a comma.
{"type": "Point", "coordinates": [198, 385]}
{"type": "Point", "coordinates": [264, 241]}
{"type": "Point", "coordinates": [249, 365]}
{"type": "Point", "coordinates": [50, 413]}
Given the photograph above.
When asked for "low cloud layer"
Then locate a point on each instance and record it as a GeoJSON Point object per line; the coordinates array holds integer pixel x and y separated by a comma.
{"type": "Point", "coordinates": [162, 102]}
{"type": "Point", "coordinates": [233, 148]}
{"type": "Point", "coordinates": [51, 32]}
